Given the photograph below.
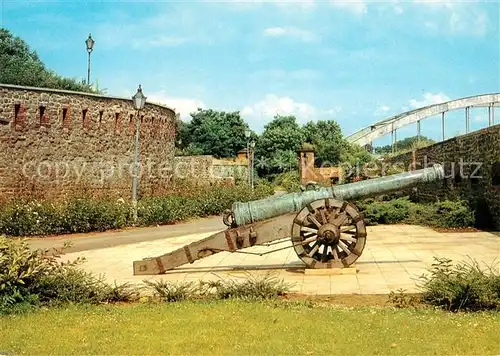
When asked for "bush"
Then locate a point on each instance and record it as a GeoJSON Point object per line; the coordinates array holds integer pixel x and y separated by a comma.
{"type": "Point", "coordinates": [446, 214]}
{"type": "Point", "coordinates": [254, 287]}
{"type": "Point", "coordinates": [34, 278]}
{"type": "Point", "coordinates": [30, 218]}
{"type": "Point", "coordinates": [290, 181]}
{"type": "Point", "coordinates": [464, 286]}
{"type": "Point", "coordinates": [391, 212]}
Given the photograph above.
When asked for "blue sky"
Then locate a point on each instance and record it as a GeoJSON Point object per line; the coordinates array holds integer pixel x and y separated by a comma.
{"type": "Point", "coordinates": [356, 62]}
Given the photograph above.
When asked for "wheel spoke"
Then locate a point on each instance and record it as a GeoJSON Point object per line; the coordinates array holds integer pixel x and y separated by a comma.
{"type": "Point", "coordinates": [348, 238]}
{"type": "Point", "coordinates": [347, 228]}
{"type": "Point", "coordinates": [313, 219]}
{"type": "Point", "coordinates": [309, 240]}
{"type": "Point", "coordinates": [344, 247]}
{"type": "Point", "coordinates": [313, 251]}
{"type": "Point", "coordinates": [324, 219]}
{"type": "Point", "coordinates": [335, 254]}
{"type": "Point", "coordinates": [339, 221]}
{"type": "Point", "coordinates": [309, 229]}
{"type": "Point", "coordinates": [350, 232]}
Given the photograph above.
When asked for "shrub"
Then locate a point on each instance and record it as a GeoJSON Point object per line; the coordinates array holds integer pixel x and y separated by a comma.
{"type": "Point", "coordinates": [168, 291]}
{"type": "Point", "coordinates": [290, 181]}
{"type": "Point", "coordinates": [454, 214]}
{"type": "Point", "coordinates": [29, 218]}
{"type": "Point", "coordinates": [446, 214]}
{"type": "Point", "coordinates": [34, 278]}
{"type": "Point", "coordinates": [254, 287]}
{"type": "Point", "coordinates": [464, 286]}
{"type": "Point", "coordinates": [392, 212]}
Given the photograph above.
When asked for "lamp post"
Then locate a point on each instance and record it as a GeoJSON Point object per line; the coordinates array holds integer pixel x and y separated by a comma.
{"type": "Point", "coordinates": [252, 146]}
{"type": "Point", "coordinates": [139, 100]}
{"type": "Point", "coordinates": [90, 46]}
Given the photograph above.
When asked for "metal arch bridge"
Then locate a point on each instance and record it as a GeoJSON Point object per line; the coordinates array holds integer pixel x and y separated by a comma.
{"type": "Point", "coordinates": [366, 136]}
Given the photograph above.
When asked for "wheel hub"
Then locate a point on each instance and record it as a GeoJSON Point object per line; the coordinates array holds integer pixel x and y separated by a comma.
{"type": "Point", "coordinates": [329, 234]}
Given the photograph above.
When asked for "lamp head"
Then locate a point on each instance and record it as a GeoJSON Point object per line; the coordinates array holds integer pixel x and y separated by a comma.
{"type": "Point", "coordinates": [139, 100]}
{"type": "Point", "coordinates": [90, 43]}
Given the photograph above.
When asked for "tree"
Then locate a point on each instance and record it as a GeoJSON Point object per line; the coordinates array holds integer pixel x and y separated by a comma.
{"type": "Point", "coordinates": [327, 139]}
{"type": "Point", "coordinates": [406, 144]}
{"type": "Point", "coordinates": [211, 132]}
{"type": "Point", "coordinates": [22, 66]}
{"type": "Point", "coordinates": [279, 143]}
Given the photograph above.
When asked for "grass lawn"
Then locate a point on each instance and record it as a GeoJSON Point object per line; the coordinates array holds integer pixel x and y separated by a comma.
{"type": "Point", "coordinates": [248, 328]}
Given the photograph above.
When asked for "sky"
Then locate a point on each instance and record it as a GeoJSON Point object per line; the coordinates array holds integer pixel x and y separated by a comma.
{"type": "Point", "coordinates": [356, 62]}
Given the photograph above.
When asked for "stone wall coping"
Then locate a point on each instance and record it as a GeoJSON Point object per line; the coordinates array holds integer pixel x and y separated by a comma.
{"type": "Point", "coordinates": [70, 92]}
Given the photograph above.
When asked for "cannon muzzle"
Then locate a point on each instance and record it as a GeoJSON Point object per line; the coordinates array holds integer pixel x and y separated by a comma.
{"type": "Point", "coordinates": [250, 212]}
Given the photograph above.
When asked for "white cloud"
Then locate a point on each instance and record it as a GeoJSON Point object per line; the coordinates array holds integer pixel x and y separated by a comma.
{"type": "Point", "coordinates": [382, 110]}
{"type": "Point", "coordinates": [462, 17]}
{"type": "Point", "coordinates": [429, 99]}
{"type": "Point", "coordinates": [435, 3]}
{"type": "Point", "coordinates": [355, 6]}
{"type": "Point", "coordinates": [272, 105]}
{"type": "Point", "coordinates": [159, 41]}
{"type": "Point", "coordinates": [184, 106]}
{"type": "Point", "coordinates": [293, 32]}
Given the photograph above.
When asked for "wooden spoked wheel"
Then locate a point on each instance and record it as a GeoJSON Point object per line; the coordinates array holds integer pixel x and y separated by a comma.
{"type": "Point", "coordinates": [329, 234]}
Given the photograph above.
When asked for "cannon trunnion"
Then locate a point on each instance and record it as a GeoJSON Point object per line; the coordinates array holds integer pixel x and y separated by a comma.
{"type": "Point", "coordinates": [326, 230]}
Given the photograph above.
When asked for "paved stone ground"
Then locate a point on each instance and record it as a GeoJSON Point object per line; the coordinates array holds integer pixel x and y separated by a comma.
{"type": "Point", "coordinates": [393, 258]}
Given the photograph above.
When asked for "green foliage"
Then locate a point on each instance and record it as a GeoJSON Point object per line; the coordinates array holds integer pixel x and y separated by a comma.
{"type": "Point", "coordinates": [354, 154]}
{"type": "Point", "coordinates": [168, 291]}
{"type": "Point", "coordinates": [403, 300]}
{"type": "Point", "coordinates": [290, 181]}
{"type": "Point", "coordinates": [408, 143]}
{"type": "Point", "coordinates": [22, 66]}
{"type": "Point", "coordinates": [391, 212]}
{"type": "Point", "coordinates": [253, 287]}
{"type": "Point", "coordinates": [34, 278]}
{"type": "Point", "coordinates": [446, 214]}
{"type": "Point", "coordinates": [328, 141]}
{"type": "Point", "coordinates": [277, 148]}
{"type": "Point", "coordinates": [464, 286]}
{"type": "Point", "coordinates": [211, 132]}
{"type": "Point", "coordinates": [29, 218]}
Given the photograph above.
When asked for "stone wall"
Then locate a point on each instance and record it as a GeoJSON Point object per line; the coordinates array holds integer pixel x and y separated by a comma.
{"type": "Point", "coordinates": [56, 143]}
{"type": "Point", "coordinates": [472, 171]}
{"type": "Point", "coordinates": [207, 169]}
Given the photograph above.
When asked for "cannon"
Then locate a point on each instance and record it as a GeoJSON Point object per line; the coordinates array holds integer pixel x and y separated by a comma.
{"type": "Point", "coordinates": [325, 229]}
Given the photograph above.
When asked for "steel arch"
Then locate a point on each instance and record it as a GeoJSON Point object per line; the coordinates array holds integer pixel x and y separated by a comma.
{"type": "Point", "coordinates": [368, 134]}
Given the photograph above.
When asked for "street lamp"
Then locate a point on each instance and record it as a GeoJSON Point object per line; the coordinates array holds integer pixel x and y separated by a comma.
{"type": "Point", "coordinates": [90, 46]}
{"type": "Point", "coordinates": [247, 135]}
{"type": "Point", "coordinates": [139, 100]}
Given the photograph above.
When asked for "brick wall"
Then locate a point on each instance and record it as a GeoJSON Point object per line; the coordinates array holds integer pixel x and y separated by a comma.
{"type": "Point", "coordinates": [207, 169]}
{"type": "Point", "coordinates": [55, 143]}
{"type": "Point", "coordinates": [472, 169]}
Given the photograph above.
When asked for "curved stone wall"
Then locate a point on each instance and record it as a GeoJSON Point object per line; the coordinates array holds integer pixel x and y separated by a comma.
{"type": "Point", "coordinates": [55, 143]}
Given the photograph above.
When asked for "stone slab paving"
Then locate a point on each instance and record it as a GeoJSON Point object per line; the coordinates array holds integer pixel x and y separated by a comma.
{"type": "Point", "coordinates": [394, 256]}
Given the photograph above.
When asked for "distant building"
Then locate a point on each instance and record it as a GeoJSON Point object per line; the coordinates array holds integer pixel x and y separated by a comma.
{"type": "Point", "coordinates": [309, 173]}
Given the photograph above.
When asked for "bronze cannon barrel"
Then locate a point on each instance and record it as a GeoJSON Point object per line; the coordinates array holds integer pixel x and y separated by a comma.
{"type": "Point", "coordinates": [250, 212]}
